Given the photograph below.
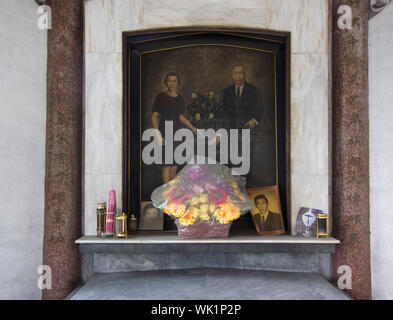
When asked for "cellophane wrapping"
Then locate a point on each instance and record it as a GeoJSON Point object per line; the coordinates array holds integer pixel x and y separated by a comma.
{"type": "Point", "coordinates": [204, 199]}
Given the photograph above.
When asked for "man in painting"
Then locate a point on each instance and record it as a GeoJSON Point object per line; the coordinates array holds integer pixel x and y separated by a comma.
{"type": "Point", "coordinates": [266, 220]}
{"type": "Point", "coordinates": [242, 106]}
{"type": "Point", "coordinates": [241, 102]}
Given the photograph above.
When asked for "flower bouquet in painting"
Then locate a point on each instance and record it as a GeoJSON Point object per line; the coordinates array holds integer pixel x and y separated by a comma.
{"type": "Point", "coordinates": [203, 109]}
{"type": "Point", "coordinates": [204, 199]}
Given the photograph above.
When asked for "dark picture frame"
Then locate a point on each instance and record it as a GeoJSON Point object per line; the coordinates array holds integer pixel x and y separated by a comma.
{"type": "Point", "coordinates": [137, 45]}
{"type": "Point", "coordinates": [267, 198]}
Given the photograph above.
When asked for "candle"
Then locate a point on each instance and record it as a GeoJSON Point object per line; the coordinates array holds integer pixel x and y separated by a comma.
{"type": "Point", "coordinates": [111, 211]}
{"type": "Point", "coordinates": [112, 201]}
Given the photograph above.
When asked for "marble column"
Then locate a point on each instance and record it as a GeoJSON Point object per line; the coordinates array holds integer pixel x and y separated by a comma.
{"type": "Point", "coordinates": [63, 165]}
{"type": "Point", "coordinates": [350, 149]}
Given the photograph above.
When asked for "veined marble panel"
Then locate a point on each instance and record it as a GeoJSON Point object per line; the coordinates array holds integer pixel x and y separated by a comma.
{"type": "Point", "coordinates": [106, 19]}
{"type": "Point", "coordinates": [309, 114]}
{"type": "Point", "coordinates": [165, 13]}
{"type": "Point", "coordinates": [103, 113]}
{"type": "Point", "coordinates": [96, 190]}
{"type": "Point", "coordinates": [310, 191]}
{"type": "Point", "coordinates": [306, 19]}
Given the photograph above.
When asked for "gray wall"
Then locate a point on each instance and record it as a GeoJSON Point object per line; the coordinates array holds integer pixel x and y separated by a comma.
{"type": "Point", "coordinates": [381, 152]}
{"type": "Point", "coordinates": [22, 145]}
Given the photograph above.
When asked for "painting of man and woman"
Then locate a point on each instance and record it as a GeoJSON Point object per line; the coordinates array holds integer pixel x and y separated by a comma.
{"type": "Point", "coordinates": [195, 88]}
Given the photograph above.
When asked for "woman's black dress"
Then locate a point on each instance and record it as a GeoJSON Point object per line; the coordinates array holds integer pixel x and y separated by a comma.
{"type": "Point", "coordinates": [170, 109]}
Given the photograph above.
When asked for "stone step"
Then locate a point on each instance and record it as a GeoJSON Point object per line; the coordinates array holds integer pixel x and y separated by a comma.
{"type": "Point", "coordinates": [208, 284]}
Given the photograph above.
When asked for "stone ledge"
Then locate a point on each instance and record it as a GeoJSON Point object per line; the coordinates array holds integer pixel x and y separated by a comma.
{"type": "Point", "coordinates": [171, 243]}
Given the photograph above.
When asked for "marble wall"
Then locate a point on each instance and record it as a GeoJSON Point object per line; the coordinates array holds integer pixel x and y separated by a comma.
{"type": "Point", "coordinates": [381, 152]}
{"type": "Point", "coordinates": [307, 20]}
{"type": "Point", "coordinates": [22, 144]}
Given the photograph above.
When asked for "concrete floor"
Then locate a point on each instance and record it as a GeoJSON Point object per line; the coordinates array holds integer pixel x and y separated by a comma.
{"type": "Point", "coordinates": [208, 284]}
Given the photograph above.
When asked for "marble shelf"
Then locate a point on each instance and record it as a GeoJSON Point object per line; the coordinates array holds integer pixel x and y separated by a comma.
{"type": "Point", "coordinates": [142, 243]}
{"type": "Point", "coordinates": [173, 238]}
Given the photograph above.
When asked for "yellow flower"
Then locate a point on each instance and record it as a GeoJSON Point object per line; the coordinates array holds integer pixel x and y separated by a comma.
{"type": "Point", "coordinates": [174, 181]}
{"type": "Point", "coordinates": [204, 212]}
{"type": "Point", "coordinates": [203, 198]}
{"type": "Point", "coordinates": [194, 201]}
{"type": "Point", "coordinates": [231, 183]}
{"type": "Point", "coordinates": [176, 210]}
{"type": "Point", "coordinates": [204, 217]}
{"type": "Point", "coordinates": [204, 208]}
{"type": "Point", "coordinates": [195, 212]}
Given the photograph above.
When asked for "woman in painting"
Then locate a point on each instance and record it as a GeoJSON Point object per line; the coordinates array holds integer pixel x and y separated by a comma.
{"type": "Point", "coordinates": [169, 106]}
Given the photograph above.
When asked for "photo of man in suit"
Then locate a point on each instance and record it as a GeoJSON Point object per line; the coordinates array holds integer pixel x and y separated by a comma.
{"type": "Point", "coordinates": [266, 219]}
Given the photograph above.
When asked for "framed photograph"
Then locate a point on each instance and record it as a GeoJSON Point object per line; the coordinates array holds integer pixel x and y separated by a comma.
{"type": "Point", "coordinates": [204, 79]}
{"type": "Point", "coordinates": [267, 214]}
{"type": "Point", "coordinates": [150, 218]}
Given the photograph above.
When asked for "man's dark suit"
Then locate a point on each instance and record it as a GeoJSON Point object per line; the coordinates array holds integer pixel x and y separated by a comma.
{"type": "Point", "coordinates": [237, 112]}
{"type": "Point", "coordinates": [272, 223]}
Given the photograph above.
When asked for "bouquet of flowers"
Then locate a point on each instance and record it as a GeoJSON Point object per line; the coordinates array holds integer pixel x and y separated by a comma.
{"type": "Point", "coordinates": [203, 109]}
{"type": "Point", "coordinates": [204, 200]}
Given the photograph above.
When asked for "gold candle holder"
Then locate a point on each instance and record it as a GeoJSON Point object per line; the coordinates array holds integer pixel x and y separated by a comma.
{"type": "Point", "coordinates": [322, 225]}
{"type": "Point", "coordinates": [101, 209]}
{"type": "Point", "coordinates": [121, 226]}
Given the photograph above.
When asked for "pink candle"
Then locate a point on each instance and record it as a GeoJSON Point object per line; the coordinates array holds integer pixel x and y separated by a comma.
{"type": "Point", "coordinates": [112, 201]}
{"type": "Point", "coordinates": [109, 222]}
{"type": "Point", "coordinates": [111, 208]}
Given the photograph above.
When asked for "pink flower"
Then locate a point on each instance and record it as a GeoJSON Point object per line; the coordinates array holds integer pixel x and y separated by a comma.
{"type": "Point", "coordinates": [218, 196]}
{"type": "Point", "coordinates": [196, 171]}
{"type": "Point", "coordinates": [178, 195]}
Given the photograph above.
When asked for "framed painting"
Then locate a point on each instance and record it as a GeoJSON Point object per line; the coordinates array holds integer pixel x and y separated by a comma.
{"type": "Point", "coordinates": [204, 80]}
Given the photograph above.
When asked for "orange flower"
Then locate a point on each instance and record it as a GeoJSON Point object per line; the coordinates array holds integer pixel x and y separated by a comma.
{"type": "Point", "coordinates": [187, 219]}
{"type": "Point", "coordinates": [227, 212]}
{"type": "Point", "coordinates": [176, 210]}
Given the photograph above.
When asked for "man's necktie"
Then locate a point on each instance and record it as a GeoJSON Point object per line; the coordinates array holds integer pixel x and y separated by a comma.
{"type": "Point", "coordinates": [238, 93]}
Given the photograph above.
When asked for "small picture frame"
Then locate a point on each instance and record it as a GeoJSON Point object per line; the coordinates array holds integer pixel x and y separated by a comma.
{"type": "Point", "coordinates": [150, 218]}
{"type": "Point", "coordinates": [267, 214]}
